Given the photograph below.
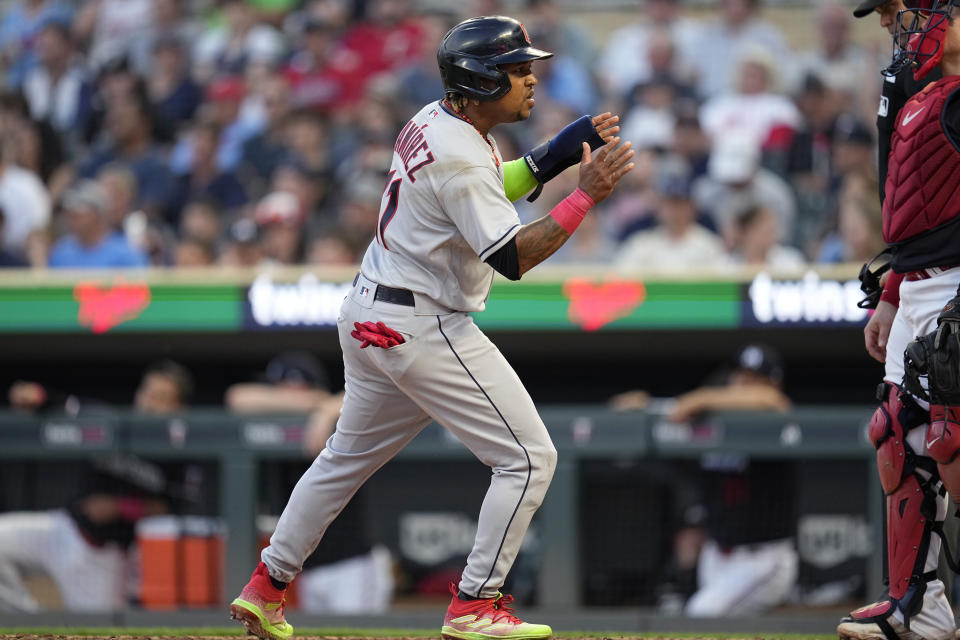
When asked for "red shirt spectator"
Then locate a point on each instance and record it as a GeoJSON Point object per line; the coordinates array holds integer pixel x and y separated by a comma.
{"type": "Point", "coordinates": [322, 73]}
{"type": "Point", "coordinates": [389, 39]}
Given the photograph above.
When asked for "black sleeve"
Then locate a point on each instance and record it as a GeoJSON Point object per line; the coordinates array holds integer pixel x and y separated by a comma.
{"type": "Point", "coordinates": [506, 260]}
{"type": "Point", "coordinates": [894, 96]}
{"type": "Point", "coordinates": [892, 99]}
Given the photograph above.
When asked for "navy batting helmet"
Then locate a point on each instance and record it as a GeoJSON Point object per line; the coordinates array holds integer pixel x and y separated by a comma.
{"type": "Point", "coordinates": [470, 52]}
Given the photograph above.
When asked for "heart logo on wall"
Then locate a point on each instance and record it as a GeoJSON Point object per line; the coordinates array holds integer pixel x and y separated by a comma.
{"type": "Point", "coordinates": [102, 308]}
{"type": "Point", "coordinates": [593, 306]}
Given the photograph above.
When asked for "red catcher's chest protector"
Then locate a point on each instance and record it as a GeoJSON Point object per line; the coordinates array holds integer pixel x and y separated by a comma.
{"type": "Point", "coordinates": [923, 179]}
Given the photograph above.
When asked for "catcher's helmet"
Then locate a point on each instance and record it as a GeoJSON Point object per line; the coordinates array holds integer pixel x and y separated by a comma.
{"type": "Point", "coordinates": [918, 39]}
{"type": "Point", "coordinates": [470, 52]}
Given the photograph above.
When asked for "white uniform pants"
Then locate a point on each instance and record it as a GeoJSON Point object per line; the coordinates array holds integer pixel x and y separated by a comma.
{"type": "Point", "coordinates": [89, 578]}
{"type": "Point", "coordinates": [920, 304]}
{"type": "Point", "coordinates": [448, 371]}
{"type": "Point", "coordinates": [360, 585]}
{"type": "Point", "coordinates": [744, 580]}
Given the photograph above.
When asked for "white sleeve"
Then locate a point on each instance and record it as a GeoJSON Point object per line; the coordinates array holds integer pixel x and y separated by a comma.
{"type": "Point", "coordinates": [474, 200]}
{"type": "Point", "coordinates": [208, 46]}
{"type": "Point", "coordinates": [35, 199]}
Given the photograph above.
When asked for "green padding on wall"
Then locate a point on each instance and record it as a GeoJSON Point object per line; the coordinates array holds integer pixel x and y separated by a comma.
{"type": "Point", "coordinates": [612, 304]}
{"type": "Point", "coordinates": [121, 307]}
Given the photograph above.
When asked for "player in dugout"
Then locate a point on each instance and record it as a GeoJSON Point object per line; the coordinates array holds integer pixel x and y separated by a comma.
{"type": "Point", "coordinates": [411, 350]}
{"type": "Point", "coordinates": [91, 535]}
{"type": "Point", "coordinates": [916, 430]}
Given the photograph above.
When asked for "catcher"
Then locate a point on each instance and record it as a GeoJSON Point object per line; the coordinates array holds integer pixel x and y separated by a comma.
{"type": "Point", "coordinates": [916, 429]}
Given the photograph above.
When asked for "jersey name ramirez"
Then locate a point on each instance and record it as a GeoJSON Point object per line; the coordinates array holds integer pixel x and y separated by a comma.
{"type": "Point", "coordinates": [412, 149]}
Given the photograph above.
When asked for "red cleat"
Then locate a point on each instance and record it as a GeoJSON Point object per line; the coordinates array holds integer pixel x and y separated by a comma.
{"type": "Point", "coordinates": [260, 607]}
{"type": "Point", "coordinates": [488, 619]}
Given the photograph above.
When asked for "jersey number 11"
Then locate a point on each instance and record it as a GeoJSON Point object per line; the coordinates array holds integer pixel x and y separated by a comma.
{"type": "Point", "coordinates": [392, 193]}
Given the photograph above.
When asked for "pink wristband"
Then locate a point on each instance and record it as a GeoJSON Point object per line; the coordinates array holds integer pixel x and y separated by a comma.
{"type": "Point", "coordinates": [571, 210]}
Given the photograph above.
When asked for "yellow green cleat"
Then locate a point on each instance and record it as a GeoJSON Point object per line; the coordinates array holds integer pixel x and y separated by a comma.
{"type": "Point", "coordinates": [259, 608]}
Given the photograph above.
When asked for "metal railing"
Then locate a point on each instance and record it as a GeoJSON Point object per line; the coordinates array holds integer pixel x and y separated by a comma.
{"type": "Point", "coordinates": [581, 433]}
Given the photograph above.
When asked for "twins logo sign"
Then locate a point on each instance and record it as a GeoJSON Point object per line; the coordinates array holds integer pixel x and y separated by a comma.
{"type": "Point", "coordinates": [301, 304]}
{"type": "Point", "coordinates": [809, 301]}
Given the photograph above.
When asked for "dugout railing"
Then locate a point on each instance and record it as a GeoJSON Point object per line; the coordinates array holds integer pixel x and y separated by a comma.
{"type": "Point", "coordinates": [828, 445]}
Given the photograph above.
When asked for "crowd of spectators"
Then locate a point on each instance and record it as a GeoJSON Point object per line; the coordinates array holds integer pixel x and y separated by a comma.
{"type": "Point", "coordinates": [242, 132]}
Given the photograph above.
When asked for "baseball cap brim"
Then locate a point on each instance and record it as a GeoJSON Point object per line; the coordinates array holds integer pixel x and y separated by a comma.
{"type": "Point", "coordinates": [866, 7]}
{"type": "Point", "coordinates": [522, 55]}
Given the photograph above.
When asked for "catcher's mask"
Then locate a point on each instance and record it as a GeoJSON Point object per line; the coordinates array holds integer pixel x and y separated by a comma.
{"type": "Point", "coordinates": [470, 53]}
{"type": "Point", "coordinates": [918, 38]}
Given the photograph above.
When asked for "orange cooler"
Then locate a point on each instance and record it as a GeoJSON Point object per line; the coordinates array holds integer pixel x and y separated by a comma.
{"type": "Point", "coordinates": [158, 538]}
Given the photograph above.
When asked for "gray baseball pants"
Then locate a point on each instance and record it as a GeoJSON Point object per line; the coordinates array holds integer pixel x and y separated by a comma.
{"type": "Point", "coordinates": [447, 370]}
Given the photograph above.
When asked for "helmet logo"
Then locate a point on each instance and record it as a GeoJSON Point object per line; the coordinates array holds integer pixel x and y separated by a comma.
{"type": "Point", "coordinates": [526, 36]}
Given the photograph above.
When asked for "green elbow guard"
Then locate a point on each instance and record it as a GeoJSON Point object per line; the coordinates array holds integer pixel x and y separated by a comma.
{"type": "Point", "coordinates": [518, 180]}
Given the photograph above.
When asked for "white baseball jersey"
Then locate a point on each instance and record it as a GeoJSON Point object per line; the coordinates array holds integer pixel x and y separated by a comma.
{"type": "Point", "coordinates": [443, 213]}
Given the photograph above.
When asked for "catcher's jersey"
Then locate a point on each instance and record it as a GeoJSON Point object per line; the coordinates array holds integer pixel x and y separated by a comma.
{"type": "Point", "coordinates": [443, 213]}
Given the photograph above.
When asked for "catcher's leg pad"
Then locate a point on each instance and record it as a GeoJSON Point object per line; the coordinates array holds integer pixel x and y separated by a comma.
{"type": "Point", "coordinates": [879, 613]}
{"type": "Point", "coordinates": [911, 514]}
{"type": "Point", "coordinates": [943, 434]}
{"type": "Point", "coordinates": [911, 500]}
{"type": "Point", "coordinates": [888, 428]}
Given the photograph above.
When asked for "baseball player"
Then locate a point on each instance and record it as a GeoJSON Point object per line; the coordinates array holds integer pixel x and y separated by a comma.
{"type": "Point", "coordinates": [412, 352]}
{"type": "Point", "coordinates": [897, 89]}
{"type": "Point", "coordinates": [83, 548]}
{"type": "Point", "coordinates": [916, 445]}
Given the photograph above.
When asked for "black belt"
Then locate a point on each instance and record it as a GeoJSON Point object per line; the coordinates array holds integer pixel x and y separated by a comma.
{"type": "Point", "coordinates": [391, 294]}
{"type": "Point", "coordinates": [394, 296]}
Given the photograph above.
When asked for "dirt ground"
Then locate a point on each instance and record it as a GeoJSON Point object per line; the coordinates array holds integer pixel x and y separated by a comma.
{"type": "Point", "coordinates": [188, 637]}
{"type": "Point", "coordinates": [58, 637]}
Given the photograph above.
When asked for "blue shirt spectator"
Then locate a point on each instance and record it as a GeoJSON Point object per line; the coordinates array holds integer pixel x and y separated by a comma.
{"type": "Point", "coordinates": [224, 99]}
{"type": "Point", "coordinates": [18, 32]}
{"type": "Point", "coordinates": [264, 152]}
{"type": "Point", "coordinates": [204, 179]}
{"type": "Point", "coordinates": [111, 252]}
{"type": "Point", "coordinates": [173, 93]}
{"type": "Point", "coordinates": [90, 244]}
{"type": "Point", "coordinates": [156, 184]}
{"type": "Point", "coordinates": [131, 145]}
{"type": "Point", "coordinates": [57, 88]}
{"type": "Point", "coordinates": [9, 258]}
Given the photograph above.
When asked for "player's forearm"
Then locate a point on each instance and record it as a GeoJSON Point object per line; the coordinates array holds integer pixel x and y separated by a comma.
{"type": "Point", "coordinates": [538, 240]}
{"type": "Point", "coordinates": [745, 397]}
{"type": "Point", "coordinates": [253, 398]}
{"type": "Point", "coordinates": [753, 397]}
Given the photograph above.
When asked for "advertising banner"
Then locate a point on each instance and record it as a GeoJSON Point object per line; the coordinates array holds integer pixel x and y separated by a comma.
{"type": "Point", "coordinates": [307, 302]}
